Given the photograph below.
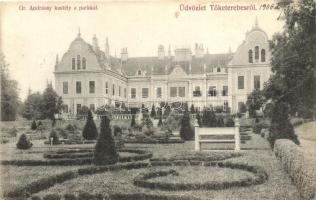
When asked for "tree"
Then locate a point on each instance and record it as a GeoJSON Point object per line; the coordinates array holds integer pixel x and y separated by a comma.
{"type": "Point", "coordinates": [198, 118]}
{"type": "Point", "coordinates": [293, 59]}
{"type": "Point", "coordinates": [90, 131]}
{"type": "Point", "coordinates": [160, 121]}
{"type": "Point", "coordinates": [24, 143]}
{"type": "Point", "coordinates": [254, 102]}
{"type": "Point", "coordinates": [167, 110]}
{"type": "Point", "coordinates": [54, 136]}
{"type": "Point", "coordinates": [9, 93]}
{"type": "Point", "coordinates": [242, 108]}
{"type": "Point", "coordinates": [220, 121]}
{"type": "Point", "coordinates": [281, 127]}
{"type": "Point", "coordinates": [186, 130]}
{"type": "Point", "coordinates": [33, 125]}
{"type": "Point", "coordinates": [153, 111]}
{"type": "Point", "coordinates": [209, 118]}
{"type": "Point", "coordinates": [52, 103]}
{"type": "Point", "coordinates": [105, 151]}
{"type": "Point", "coordinates": [133, 122]}
{"type": "Point", "coordinates": [33, 106]}
{"type": "Point", "coordinates": [192, 109]}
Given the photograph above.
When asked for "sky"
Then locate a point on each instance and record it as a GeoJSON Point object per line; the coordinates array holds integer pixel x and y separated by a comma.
{"type": "Point", "coordinates": [30, 40]}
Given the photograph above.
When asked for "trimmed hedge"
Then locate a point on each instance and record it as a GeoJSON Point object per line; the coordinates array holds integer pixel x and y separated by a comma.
{"type": "Point", "coordinates": [201, 157]}
{"type": "Point", "coordinates": [142, 179]}
{"type": "Point", "coordinates": [299, 165]}
{"type": "Point", "coordinates": [122, 196]}
{"type": "Point", "coordinates": [79, 158]}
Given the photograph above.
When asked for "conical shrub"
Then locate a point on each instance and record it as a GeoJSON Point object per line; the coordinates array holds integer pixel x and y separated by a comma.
{"type": "Point", "coordinates": [105, 150]}
{"type": "Point", "coordinates": [33, 125]}
{"type": "Point", "coordinates": [23, 142]}
{"type": "Point", "coordinates": [90, 131]}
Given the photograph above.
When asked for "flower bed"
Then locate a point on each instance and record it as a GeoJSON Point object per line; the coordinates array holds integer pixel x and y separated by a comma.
{"type": "Point", "coordinates": [299, 165]}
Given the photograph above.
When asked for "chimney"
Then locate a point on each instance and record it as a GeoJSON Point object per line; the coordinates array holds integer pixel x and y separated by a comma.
{"type": "Point", "coordinates": [95, 43]}
{"type": "Point", "coordinates": [161, 52]}
{"type": "Point", "coordinates": [199, 50]}
{"type": "Point", "coordinates": [107, 48]}
{"type": "Point", "coordinates": [124, 54]}
{"type": "Point", "coordinates": [169, 52]}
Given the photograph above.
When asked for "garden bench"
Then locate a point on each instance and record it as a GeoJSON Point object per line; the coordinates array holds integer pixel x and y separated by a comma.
{"type": "Point", "coordinates": [217, 135]}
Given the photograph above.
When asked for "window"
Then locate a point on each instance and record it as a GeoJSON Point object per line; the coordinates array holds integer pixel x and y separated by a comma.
{"type": "Point", "coordinates": [145, 92]}
{"type": "Point", "coordinates": [181, 91]}
{"type": "Point", "coordinates": [225, 90]}
{"type": "Point", "coordinates": [78, 87]}
{"type": "Point", "coordinates": [133, 93]}
{"type": "Point", "coordinates": [65, 109]}
{"type": "Point", "coordinates": [113, 89]}
{"type": "Point", "coordinates": [250, 58]}
{"type": "Point", "coordinates": [65, 87]}
{"type": "Point", "coordinates": [225, 107]}
{"type": "Point", "coordinates": [78, 62]}
{"type": "Point", "coordinates": [92, 107]}
{"type": "Point", "coordinates": [106, 88]}
{"type": "Point", "coordinates": [158, 94]}
{"type": "Point", "coordinates": [256, 53]}
{"type": "Point", "coordinates": [197, 91]}
{"type": "Point", "coordinates": [212, 91]}
{"type": "Point", "coordinates": [73, 63]}
{"type": "Point", "coordinates": [218, 69]}
{"type": "Point", "coordinates": [173, 92]}
{"type": "Point", "coordinates": [78, 108]}
{"type": "Point", "coordinates": [256, 81]}
{"type": "Point", "coordinates": [263, 55]}
{"type": "Point", "coordinates": [240, 82]}
{"type": "Point", "coordinates": [124, 92]}
{"type": "Point", "coordinates": [139, 72]}
{"type": "Point", "coordinates": [84, 63]}
{"type": "Point", "coordinates": [91, 87]}
{"type": "Point", "coordinates": [119, 90]}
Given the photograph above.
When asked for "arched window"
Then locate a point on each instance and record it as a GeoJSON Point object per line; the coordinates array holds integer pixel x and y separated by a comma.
{"type": "Point", "coordinates": [78, 62]}
{"type": "Point", "coordinates": [84, 63]}
{"type": "Point", "coordinates": [256, 53]}
{"type": "Point", "coordinates": [139, 72]}
{"type": "Point", "coordinates": [263, 55]}
{"type": "Point", "coordinates": [73, 63]}
{"type": "Point", "coordinates": [250, 56]}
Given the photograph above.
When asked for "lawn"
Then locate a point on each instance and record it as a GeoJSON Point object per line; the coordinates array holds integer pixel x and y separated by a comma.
{"type": "Point", "coordinates": [256, 153]}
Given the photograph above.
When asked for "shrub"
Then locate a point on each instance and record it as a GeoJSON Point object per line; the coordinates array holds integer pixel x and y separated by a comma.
{"type": "Point", "coordinates": [61, 132]}
{"type": "Point", "coordinates": [70, 128]}
{"type": "Point", "coordinates": [299, 165]}
{"type": "Point", "coordinates": [105, 150]}
{"type": "Point", "coordinates": [209, 118]}
{"type": "Point", "coordinates": [117, 130]}
{"type": "Point", "coordinates": [230, 122]}
{"type": "Point", "coordinates": [281, 127]}
{"type": "Point", "coordinates": [171, 123]}
{"type": "Point", "coordinates": [198, 118]}
{"type": "Point", "coordinates": [220, 121]}
{"type": "Point", "coordinates": [33, 125]}
{"type": "Point", "coordinates": [259, 126]}
{"type": "Point", "coordinates": [39, 123]}
{"type": "Point", "coordinates": [160, 121]}
{"type": "Point", "coordinates": [70, 197]}
{"type": "Point", "coordinates": [13, 132]}
{"type": "Point", "coordinates": [52, 197]}
{"type": "Point", "coordinates": [153, 111]}
{"type": "Point", "coordinates": [90, 131]}
{"type": "Point", "coordinates": [23, 142]}
{"type": "Point", "coordinates": [186, 131]}
{"type": "Point", "coordinates": [53, 134]}
{"type": "Point", "coordinates": [133, 122]}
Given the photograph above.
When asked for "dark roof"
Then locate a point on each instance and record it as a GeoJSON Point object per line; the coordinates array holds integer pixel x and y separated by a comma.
{"type": "Point", "coordinates": [132, 65]}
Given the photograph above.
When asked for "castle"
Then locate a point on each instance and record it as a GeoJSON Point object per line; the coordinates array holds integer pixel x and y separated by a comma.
{"type": "Point", "coordinates": [88, 76]}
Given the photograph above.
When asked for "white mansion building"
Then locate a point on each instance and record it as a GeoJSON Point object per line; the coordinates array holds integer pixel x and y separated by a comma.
{"type": "Point", "coordinates": [88, 76]}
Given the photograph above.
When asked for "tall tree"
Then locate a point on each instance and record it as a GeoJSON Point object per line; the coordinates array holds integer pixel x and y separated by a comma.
{"type": "Point", "coordinates": [186, 130]}
{"type": "Point", "coordinates": [33, 106]}
{"type": "Point", "coordinates": [9, 93]}
{"type": "Point", "coordinates": [192, 109]}
{"type": "Point", "coordinates": [52, 103]}
{"type": "Point", "coordinates": [153, 111]}
{"type": "Point", "coordinates": [293, 59]}
{"type": "Point", "coordinates": [254, 102]}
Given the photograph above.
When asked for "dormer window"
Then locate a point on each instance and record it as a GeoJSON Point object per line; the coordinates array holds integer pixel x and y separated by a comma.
{"type": "Point", "coordinates": [256, 53]}
{"type": "Point", "coordinates": [73, 63]}
{"type": "Point", "coordinates": [263, 55]}
{"type": "Point", "coordinates": [78, 62]}
{"type": "Point", "coordinates": [139, 72]}
{"type": "Point", "coordinates": [250, 56]}
{"type": "Point", "coordinates": [84, 63]}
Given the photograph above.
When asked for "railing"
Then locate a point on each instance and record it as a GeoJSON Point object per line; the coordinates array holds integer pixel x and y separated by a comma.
{"type": "Point", "coordinates": [217, 135]}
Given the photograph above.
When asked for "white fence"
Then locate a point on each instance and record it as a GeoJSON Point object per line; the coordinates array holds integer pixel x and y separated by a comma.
{"type": "Point", "coordinates": [217, 135]}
